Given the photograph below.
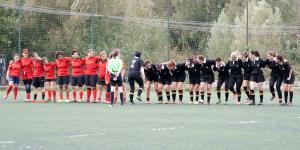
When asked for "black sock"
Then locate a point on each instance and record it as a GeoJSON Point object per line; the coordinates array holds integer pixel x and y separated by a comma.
{"type": "Point", "coordinates": [239, 98]}
{"type": "Point", "coordinates": [147, 99]}
{"type": "Point", "coordinates": [279, 94]}
{"type": "Point", "coordinates": [252, 95]}
{"type": "Point", "coordinates": [131, 97]}
{"type": "Point", "coordinates": [208, 97]}
{"type": "Point", "coordinates": [202, 95]}
{"type": "Point", "coordinates": [219, 95]}
{"type": "Point", "coordinates": [286, 94]}
{"type": "Point", "coordinates": [272, 90]}
{"type": "Point", "coordinates": [291, 96]}
{"type": "Point", "coordinates": [247, 91]}
{"type": "Point", "coordinates": [197, 96]}
{"type": "Point", "coordinates": [43, 96]}
{"type": "Point", "coordinates": [173, 95]}
{"type": "Point", "coordinates": [160, 98]}
{"type": "Point", "coordinates": [261, 96]}
{"type": "Point", "coordinates": [34, 96]}
{"type": "Point", "coordinates": [180, 95]}
{"type": "Point", "coordinates": [140, 92]}
{"type": "Point", "coordinates": [121, 98]}
{"type": "Point", "coordinates": [191, 96]}
{"type": "Point", "coordinates": [112, 96]}
{"type": "Point", "coordinates": [226, 96]}
{"type": "Point", "coordinates": [168, 96]}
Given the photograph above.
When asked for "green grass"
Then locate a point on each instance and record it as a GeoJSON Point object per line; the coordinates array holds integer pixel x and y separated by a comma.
{"type": "Point", "coordinates": [175, 127]}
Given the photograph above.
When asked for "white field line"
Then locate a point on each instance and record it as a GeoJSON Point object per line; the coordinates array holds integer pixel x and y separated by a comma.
{"type": "Point", "coordinates": [167, 128]}
{"type": "Point", "coordinates": [7, 142]}
{"type": "Point", "coordinates": [82, 135]}
{"type": "Point", "coordinates": [246, 122]}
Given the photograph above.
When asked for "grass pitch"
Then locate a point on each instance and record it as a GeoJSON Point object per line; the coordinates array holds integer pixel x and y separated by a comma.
{"type": "Point", "coordinates": [149, 127]}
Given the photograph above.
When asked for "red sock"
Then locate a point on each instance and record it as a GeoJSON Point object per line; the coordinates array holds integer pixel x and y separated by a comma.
{"type": "Point", "coordinates": [80, 94]}
{"type": "Point", "coordinates": [8, 90]}
{"type": "Point", "coordinates": [27, 95]}
{"type": "Point", "coordinates": [49, 94]}
{"type": "Point", "coordinates": [68, 94]}
{"type": "Point", "coordinates": [88, 94]}
{"type": "Point", "coordinates": [54, 94]}
{"type": "Point", "coordinates": [61, 94]}
{"type": "Point", "coordinates": [15, 92]}
{"type": "Point", "coordinates": [107, 96]}
{"type": "Point", "coordinates": [94, 94]}
{"type": "Point", "coordinates": [74, 94]}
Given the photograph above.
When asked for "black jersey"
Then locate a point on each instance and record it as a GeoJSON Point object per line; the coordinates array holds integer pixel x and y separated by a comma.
{"type": "Point", "coordinates": [206, 67]}
{"type": "Point", "coordinates": [151, 72]}
{"type": "Point", "coordinates": [274, 66]}
{"type": "Point", "coordinates": [285, 69]}
{"type": "Point", "coordinates": [163, 72]}
{"type": "Point", "coordinates": [193, 70]}
{"type": "Point", "coordinates": [257, 66]}
{"type": "Point", "coordinates": [235, 67]}
{"type": "Point", "coordinates": [136, 64]}
{"type": "Point", "coordinates": [179, 69]}
{"type": "Point", "coordinates": [223, 71]}
{"type": "Point", "coordinates": [246, 65]}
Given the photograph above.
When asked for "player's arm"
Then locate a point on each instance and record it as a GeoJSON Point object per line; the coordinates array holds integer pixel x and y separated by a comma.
{"type": "Point", "coordinates": [8, 70]}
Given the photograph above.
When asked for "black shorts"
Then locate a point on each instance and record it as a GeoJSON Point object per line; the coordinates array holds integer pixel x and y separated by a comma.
{"type": "Point", "coordinates": [257, 78]}
{"type": "Point", "coordinates": [194, 79]}
{"type": "Point", "coordinates": [247, 77]}
{"type": "Point", "coordinates": [61, 80]}
{"type": "Point", "coordinates": [165, 81]}
{"type": "Point", "coordinates": [209, 79]}
{"type": "Point", "coordinates": [101, 81]}
{"type": "Point", "coordinates": [77, 81]}
{"type": "Point", "coordinates": [117, 82]}
{"type": "Point", "coordinates": [38, 82]}
{"type": "Point", "coordinates": [50, 80]}
{"type": "Point", "coordinates": [291, 81]}
{"type": "Point", "coordinates": [91, 80]}
{"type": "Point", "coordinates": [178, 78]}
{"type": "Point", "coordinates": [152, 78]}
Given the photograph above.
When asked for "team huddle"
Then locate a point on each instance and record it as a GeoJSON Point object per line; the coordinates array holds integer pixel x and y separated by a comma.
{"type": "Point", "coordinates": [108, 72]}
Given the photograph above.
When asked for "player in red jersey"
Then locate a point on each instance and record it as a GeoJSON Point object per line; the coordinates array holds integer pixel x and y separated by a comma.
{"type": "Point", "coordinates": [38, 76]}
{"type": "Point", "coordinates": [77, 75]}
{"type": "Point", "coordinates": [102, 72]}
{"type": "Point", "coordinates": [63, 75]}
{"type": "Point", "coordinates": [27, 72]}
{"type": "Point", "coordinates": [50, 68]}
{"type": "Point", "coordinates": [13, 76]}
{"type": "Point", "coordinates": [91, 77]}
{"type": "Point", "coordinates": [107, 81]}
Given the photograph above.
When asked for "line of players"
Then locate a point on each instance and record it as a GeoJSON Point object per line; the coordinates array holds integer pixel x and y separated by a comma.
{"type": "Point", "coordinates": [242, 69]}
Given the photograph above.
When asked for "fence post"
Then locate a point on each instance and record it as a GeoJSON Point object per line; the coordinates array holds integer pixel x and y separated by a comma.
{"type": "Point", "coordinates": [20, 24]}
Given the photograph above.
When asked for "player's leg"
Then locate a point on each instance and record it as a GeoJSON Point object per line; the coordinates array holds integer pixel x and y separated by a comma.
{"type": "Point", "coordinates": [94, 79]}
{"type": "Point", "coordinates": [42, 85]}
{"type": "Point", "coordinates": [197, 88]}
{"type": "Point", "coordinates": [272, 82]}
{"type": "Point", "coordinates": [36, 86]}
{"type": "Point", "coordinates": [180, 91]}
{"type": "Point", "coordinates": [48, 89]}
{"type": "Point", "coordinates": [155, 86]}
{"type": "Point", "coordinates": [159, 92]}
{"type": "Point", "coordinates": [238, 86]}
{"type": "Point", "coordinates": [66, 87]}
{"type": "Point", "coordinates": [191, 89]}
{"type": "Point", "coordinates": [87, 81]}
{"type": "Point", "coordinates": [53, 87]}
{"type": "Point", "coordinates": [174, 88]}
{"type": "Point", "coordinates": [9, 88]}
{"type": "Point", "coordinates": [219, 85]}
{"type": "Point", "coordinates": [226, 89]}
{"type": "Point", "coordinates": [278, 88]}
{"type": "Point", "coordinates": [167, 90]}
{"type": "Point", "coordinates": [148, 88]}
{"type": "Point", "coordinates": [74, 83]}
{"type": "Point", "coordinates": [140, 82]}
{"type": "Point", "coordinates": [252, 93]}
{"type": "Point", "coordinates": [16, 87]}
{"type": "Point", "coordinates": [246, 89]}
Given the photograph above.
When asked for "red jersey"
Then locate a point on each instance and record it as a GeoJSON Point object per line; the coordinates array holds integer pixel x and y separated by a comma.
{"type": "Point", "coordinates": [27, 68]}
{"type": "Point", "coordinates": [15, 68]}
{"type": "Point", "coordinates": [50, 70]}
{"type": "Point", "coordinates": [77, 66]}
{"type": "Point", "coordinates": [91, 65]}
{"type": "Point", "coordinates": [102, 68]}
{"type": "Point", "coordinates": [38, 66]}
{"type": "Point", "coordinates": [63, 65]}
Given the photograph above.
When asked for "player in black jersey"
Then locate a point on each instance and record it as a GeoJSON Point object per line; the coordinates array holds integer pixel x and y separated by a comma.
{"type": "Point", "coordinates": [246, 65]}
{"type": "Point", "coordinates": [257, 76]}
{"type": "Point", "coordinates": [136, 73]}
{"type": "Point", "coordinates": [223, 78]}
{"type": "Point", "coordinates": [194, 79]}
{"type": "Point", "coordinates": [151, 77]}
{"type": "Point", "coordinates": [164, 81]}
{"type": "Point", "coordinates": [288, 79]}
{"type": "Point", "coordinates": [236, 76]}
{"type": "Point", "coordinates": [207, 76]}
{"type": "Point", "coordinates": [276, 75]}
{"type": "Point", "coordinates": [178, 78]}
